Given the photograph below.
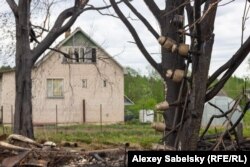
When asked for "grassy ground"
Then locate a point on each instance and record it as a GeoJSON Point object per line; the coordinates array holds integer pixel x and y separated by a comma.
{"type": "Point", "coordinates": [246, 130]}
{"type": "Point", "coordinates": [106, 136]}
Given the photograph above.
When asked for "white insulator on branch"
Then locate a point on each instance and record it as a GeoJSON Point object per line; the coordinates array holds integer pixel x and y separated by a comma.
{"type": "Point", "coordinates": [162, 106]}
{"type": "Point", "coordinates": [166, 42]}
{"type": "Point", "coordinates": [178, 20]}
{"type": "Point", "coordinates": [161, 40]}
{"type": "Point", "coordinates": [183, 49]}
{"type": "Point", "coordinates": [169, 73]}
{"type": "Point", "coordinates": [174, 48]}
{"type": "Point", "coordinates": [177, 75]}
{"type": "Point", "coordinates": [158, 126]}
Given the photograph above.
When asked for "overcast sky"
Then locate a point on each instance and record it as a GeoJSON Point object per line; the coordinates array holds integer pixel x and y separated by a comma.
{"type": "Point", "coordinates": [113, 36]}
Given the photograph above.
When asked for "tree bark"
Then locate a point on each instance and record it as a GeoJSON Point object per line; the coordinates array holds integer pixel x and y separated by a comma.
{"type": "Point", "coordinates": [191, 127]}
{"type": "Point", "coordinates": [26, 58]}
{"type": "Point", "coordinates": [171, 61]}
{"type": "Point", "coordinates": [23, 105]}
{"type": "Point", "coordinates": [200, 67]}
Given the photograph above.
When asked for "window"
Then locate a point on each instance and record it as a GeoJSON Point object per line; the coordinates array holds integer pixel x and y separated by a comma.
{"type": "Point", "coordinates": [105, 83]}
{"type": "Point", "coordinates": [84, 83]}
{"type": "Point", "coordinates": [70, 53]}
{"type": "Point", "coordinates": [76, 55]}
{"type": "Point", "coordinates": [90, 55]}
{"type": "Point", "coordinates": [55, 88]}
{"type": "Point", "coordinates": [80, 55]}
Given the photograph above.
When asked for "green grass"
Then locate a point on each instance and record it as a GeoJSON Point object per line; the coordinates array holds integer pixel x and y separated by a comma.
{"type": "Point", "coordinates": [109, 136]}
{"type": "Point", "coordinates": [138, 135]}
{"type": "Point", "coordinates": [246, 127]}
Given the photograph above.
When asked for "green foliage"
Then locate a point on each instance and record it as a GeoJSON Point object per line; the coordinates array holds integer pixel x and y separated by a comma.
{"type": "Point", "coordinates": [144, 91]}
{"type": "Point", "coordinates": [5, 68]}
{"type": "Point", "coordinates": [247, 119]}
{"type": "Point", "coordinates": [234, 86]}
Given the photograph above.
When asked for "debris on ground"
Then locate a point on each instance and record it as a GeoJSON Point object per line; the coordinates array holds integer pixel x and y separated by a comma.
{"type": "Point", "coordinates": [22, 151]}
{"type": "Point", "coordinates": [17, 150]}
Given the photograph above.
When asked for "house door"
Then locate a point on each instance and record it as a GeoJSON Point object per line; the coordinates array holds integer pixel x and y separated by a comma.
{"type": "Point", "coordinates": [83, 111]}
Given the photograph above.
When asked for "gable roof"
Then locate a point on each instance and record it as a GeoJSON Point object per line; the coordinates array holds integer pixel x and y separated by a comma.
{"type": "Point", "coordinates": [78, 29]}
{"type": "Point", "coordinates": [127, 101]}
{"type": "Point", "coordinates": [222, 93]}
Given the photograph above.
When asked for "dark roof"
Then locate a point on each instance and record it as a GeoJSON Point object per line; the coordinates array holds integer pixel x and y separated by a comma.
{"type": "Point", "coordinates": [222, 93]}
{"type": "Point", "coordinates": [127, 101]}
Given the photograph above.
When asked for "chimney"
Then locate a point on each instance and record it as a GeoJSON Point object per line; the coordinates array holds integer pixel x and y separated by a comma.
{"type": "Point", "coordinates": [67, 33]}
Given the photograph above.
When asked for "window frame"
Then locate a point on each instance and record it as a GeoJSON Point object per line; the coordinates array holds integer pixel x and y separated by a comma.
{"type": "Point", "coordinates": [53, 95]}
{"type": "Point", "coordinates": [82, 59]}
{"type": "Point", "coordinates": [86, 83]}
{"type": "Point", "coordinates": [105, 83]}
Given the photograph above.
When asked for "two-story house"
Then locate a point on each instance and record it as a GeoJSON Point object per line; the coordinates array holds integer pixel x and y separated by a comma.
{"type": "Point", "coordinates": [87, 86]}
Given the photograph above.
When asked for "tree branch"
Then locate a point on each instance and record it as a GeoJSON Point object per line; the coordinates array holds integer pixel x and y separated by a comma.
{"type": "Point", "coordinates": [203, 1]}
{"type": "Point", "coordinates": [223, 114]}
{"type": "Point", "coordinates": [13, 6]}
{"type": "Point", "coordinates": [135, 36]}
{"type": "Point", "coordinates": [241, 53]}
{"type": "Point", "coordinates": [58, 29]}
{"type": "Point", "coordinates": [91, 7]}
{"type": "Point", "coordinates": [231, 65]}
{"type": "Point", "coordinates": [154, 9]}
{"type": "Point", "coordinates": [197, 15]}
{"type": "Point", "coordinates": [190, 14]}
{"type": "Point", "coordinates": [143, 19]}
{"type": "Point", "coordinates": [99, 9]}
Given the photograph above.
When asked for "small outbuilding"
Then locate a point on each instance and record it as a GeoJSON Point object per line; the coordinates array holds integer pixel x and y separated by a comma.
{"type": "Point", "coordinates": [146, 116]}
{"type": "Point", "coordinates": [225, 103]}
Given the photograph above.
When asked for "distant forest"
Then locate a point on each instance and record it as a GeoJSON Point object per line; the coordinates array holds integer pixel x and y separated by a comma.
{"type": "Point", "coordinates": [146, 91]}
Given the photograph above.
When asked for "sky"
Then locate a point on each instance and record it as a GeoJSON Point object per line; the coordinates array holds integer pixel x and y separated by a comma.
{"type": "Point", "coordinates": [114, 37]}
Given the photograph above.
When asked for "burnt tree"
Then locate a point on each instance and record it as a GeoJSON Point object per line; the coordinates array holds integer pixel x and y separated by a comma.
{"type": "Point", "coordinates": [185, 95]}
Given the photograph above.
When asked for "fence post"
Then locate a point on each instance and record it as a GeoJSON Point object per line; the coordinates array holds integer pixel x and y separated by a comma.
{"type": "Point", "coordinates": [12, 119]}
{"type": "Point", "coordinates": [56, 120]}
{"type": "Point", "coordinates": [1, 114]}
{"type": "Point", "coordinates": [101, 116]}
{"type": "Point", "coordinates": [2, 119]}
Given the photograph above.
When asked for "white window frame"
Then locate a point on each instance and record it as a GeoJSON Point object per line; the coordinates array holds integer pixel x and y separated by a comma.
{"type": "Point", "coordinates": [53, 96]}
{"type": "Point", "coordinates": [87, 53]}
{"type": "Point", "coordinates": [105, 83]}
{"type": "Point", "coordinates": [84, 83]}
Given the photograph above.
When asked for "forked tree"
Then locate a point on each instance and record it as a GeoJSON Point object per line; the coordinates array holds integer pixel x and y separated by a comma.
{"type": "Point", "coordinates": [185, 95]}
{"type": "Point", "coordinates": [26, 57]}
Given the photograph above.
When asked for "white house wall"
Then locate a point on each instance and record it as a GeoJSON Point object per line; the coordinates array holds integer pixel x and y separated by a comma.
{"type": "Point", "coordinates": [8, 96]}
{"type": "Point", "coordinates": [70, 107]}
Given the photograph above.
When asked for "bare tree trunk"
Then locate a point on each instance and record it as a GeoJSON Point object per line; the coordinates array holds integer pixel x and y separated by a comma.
{"type": "Point", "coordinates": [171, 61]}
{"type": "Point", "coordinates": [23, 105]}
{"type": "Point", "coordinates": [26, 58]}
{"type": "Point", "coordinates": [191, 127]}
{"type": "Point", "coordinates": [200, 67]}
